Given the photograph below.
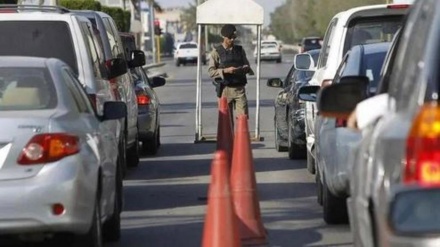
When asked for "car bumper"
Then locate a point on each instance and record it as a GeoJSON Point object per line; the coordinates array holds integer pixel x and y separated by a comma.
{"type": "Point", "coordinates": [270, 57]}
{"type": "Point", "coordinates": [187, 59]}
{"type": "Point", "coordinates": [26, 204]}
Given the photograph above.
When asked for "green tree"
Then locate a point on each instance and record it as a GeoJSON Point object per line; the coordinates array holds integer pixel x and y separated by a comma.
{"type": "Point", "coordinates": [189, 17]}
{"type": "Point", "coordinates": [298, 18]}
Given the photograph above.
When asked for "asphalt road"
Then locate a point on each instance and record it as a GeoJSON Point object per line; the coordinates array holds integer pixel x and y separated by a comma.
{"type": "Point", "coordinates": [162, 206]}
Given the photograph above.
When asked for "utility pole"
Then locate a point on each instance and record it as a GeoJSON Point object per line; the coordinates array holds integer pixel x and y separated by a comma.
{"type": "Point", "coordinates": [153, 41]}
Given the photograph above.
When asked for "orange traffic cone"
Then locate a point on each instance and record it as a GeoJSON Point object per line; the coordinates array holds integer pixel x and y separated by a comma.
{"type": "Point", "coordinates": [220, 228]}
{"type": "Point", "coordinates": [244, 188]}
{"type": "Point", "coordinates": [225, 135]}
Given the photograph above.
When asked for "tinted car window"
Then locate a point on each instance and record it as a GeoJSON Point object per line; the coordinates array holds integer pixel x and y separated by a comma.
{"type": "Point", "coordinates": [38, 39]}
{"type": "Point", "coordinates": [188, 46]}
{"type": "Point", "coordinates": [372, 64]}
{"type": "Point", "coordinates": [26, 89]}
{"type": "Point", "coordinates": [310, 44]}
{"type": "Point", "coordinates": [326, 45]}
{"type": "Point", "coordinates": [371, 30]}
{"type": "Point", "coordinates": [111, 37]}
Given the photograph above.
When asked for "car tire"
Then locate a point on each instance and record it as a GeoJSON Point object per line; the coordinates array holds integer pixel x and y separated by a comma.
{"type": "Point", "coordinates": [93, 238]}
{"type": "Point", "coordinates": [122, 157]}
{"type": "Point", "coordinates": [151, 146]}
{"type": "Point", "coordinates": [278, 147]}
{"type": "Point", "coordinates": [279, 60]}
{"type": "Point", "coordinates": [158, 137]}
{"type": "Point", "coordinates": [177, 62]}
{"type": "Point", "coordinates": [112, 227]}
{"type": "Point", "coordinates": [318, 188]}
{"type": "Point", "coordinates": [133, 154]}
{"type": "Point", "coordinates": [294, 150]}
{"type": "Point", "coordinates": [334, 208]}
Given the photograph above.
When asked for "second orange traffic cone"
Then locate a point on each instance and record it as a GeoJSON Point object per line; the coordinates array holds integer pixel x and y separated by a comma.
{"type": "Point", "coordinates": [220, 228]}
{"type": "Point", "coordinates": [225, 135]}
{"type": "Point", "coordinates": [244, 188]}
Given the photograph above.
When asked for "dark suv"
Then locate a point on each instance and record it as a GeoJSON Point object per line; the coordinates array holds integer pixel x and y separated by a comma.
{"type": "Point", "coordinates": [310, 43]}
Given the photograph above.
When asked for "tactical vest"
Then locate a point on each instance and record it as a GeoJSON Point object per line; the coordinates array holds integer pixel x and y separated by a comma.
{"type": "Point", "coordinates": [232, 58]}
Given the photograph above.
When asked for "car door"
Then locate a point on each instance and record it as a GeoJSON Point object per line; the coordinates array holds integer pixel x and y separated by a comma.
{"type": "Point", "coordinates": [103, 136]}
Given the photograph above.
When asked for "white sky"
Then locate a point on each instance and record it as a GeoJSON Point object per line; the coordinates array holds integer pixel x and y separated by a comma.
{"type": "Point", "coordinates": [268, 5]}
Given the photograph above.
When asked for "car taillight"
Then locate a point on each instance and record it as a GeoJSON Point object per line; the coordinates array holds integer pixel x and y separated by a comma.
{"type": "Point", "coordinates": [340, 123]}
{"type": "Point", "coordinates": [423, 148]}
{"type": "Point", "coordinates": [398, 6]}
{"type": "Point", "coordinates": [143, 99]}
{"type": "Point", "coordinates": [46, 148]}
{"type": "Point", "coordinates": [326, 83]}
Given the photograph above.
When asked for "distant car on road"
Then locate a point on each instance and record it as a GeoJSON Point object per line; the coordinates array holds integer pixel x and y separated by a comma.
{"type": "Point", "coordinates": [310, 43]}
{"type": "Point", "coordinates": [187, 52]}
{"type": "Point", "coordinates": [269, 52]}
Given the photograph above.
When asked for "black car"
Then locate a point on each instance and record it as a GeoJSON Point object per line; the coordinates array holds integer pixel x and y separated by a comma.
{"type": "Point", "coordinates": [289, 111]}
{"type": "Point", "coordinates": [310, 43]}
{"type": "Point", "coordinates": [147, 100]}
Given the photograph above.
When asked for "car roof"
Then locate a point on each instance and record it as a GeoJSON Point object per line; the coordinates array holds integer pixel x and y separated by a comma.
{"type": "Point", "coordinates": [346, 15]}
{"type": "Point", "coordinates": [23, 61]}
{"type": "Point", "coordinates": [37, 15]}
{"type": "Point", "coordinates": [315, 37]}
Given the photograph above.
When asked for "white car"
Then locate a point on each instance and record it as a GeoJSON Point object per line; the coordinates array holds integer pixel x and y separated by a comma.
{"type": "Point", "coordinates": [356, 26]}
{"type": "Point", "coordinates": [187, 52]}
{"type": "Point", "coordinates": [269, 52]}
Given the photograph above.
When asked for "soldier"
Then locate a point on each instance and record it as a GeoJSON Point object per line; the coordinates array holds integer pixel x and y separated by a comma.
{"type": "Point", "coordinates": [228, 67]}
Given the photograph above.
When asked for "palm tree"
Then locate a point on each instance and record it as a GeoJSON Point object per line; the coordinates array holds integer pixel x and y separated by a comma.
{"type": "Point", "coordinates": [188, 17]}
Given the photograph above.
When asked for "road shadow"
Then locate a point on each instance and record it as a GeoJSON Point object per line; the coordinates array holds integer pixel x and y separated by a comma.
{"type": "Point", "coordinates": [210, 105]}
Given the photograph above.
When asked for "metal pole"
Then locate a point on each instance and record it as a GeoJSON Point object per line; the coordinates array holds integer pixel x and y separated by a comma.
{"type": "Point", "coordinates": [158, 48]}
{"type": "Point", "coordinates": [199, 87]}
{"type": "Point", "coordinates": [206, 39]}
{"type": "Point", "coordinates": [152, 38]}
{"type": "Point", "coordinates": [257, 114]}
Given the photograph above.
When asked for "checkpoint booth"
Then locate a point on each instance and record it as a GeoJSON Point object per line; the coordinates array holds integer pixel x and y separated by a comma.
{"type": "Point", "coordinates": [220, 12]}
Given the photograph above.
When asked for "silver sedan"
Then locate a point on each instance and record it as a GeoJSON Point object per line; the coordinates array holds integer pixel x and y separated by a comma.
{"type": "Point", "coordinates": [58, 159]}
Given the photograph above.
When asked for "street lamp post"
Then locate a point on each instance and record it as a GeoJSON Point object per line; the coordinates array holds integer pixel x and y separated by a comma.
{"type": "Point", "coordinates": [152, 37]}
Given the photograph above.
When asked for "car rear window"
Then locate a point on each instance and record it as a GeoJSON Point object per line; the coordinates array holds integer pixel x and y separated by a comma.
{"type": "Point", "coordinates": [26, 89]}
{"type": "Point", "coordinates": [188, 46]}
{"type": "Point", "coordinates": [38, 39]}
{"type": "Point", "coordinates": [129, 45]}
{"type": "Point", "coordinates": [372, 30]}
{"type": "Point", "coordinates": [265, 46]}
{"type": "Point", "coordinates": [312, 42]}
